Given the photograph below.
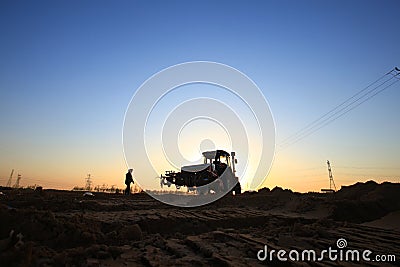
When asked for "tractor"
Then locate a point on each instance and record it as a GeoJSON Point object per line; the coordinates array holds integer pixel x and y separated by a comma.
{"type": "Point", "coordinates": [215, 175]}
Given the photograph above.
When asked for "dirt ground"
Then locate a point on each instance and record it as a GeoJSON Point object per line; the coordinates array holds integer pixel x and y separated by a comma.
{"type": "Point", "coordinates": [63, 228]}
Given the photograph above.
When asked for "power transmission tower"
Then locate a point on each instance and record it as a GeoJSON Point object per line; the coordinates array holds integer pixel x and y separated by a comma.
{"type": "Point", "coordinates": [16, 185]}
{"type": "Point", "coordinates": [88, 185]}
{"type": "Point", "coordinates": [9, 179]}
{"type": "Point", "coordinates": [331, 181]}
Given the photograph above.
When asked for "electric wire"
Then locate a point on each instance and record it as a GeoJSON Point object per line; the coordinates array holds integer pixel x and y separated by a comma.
{"type": "Point", "coordinates": [332, 110]}
{"type": "Point", "coordinates": [332, 118]}
{"type": "Point", "coordinates": [324, 120]}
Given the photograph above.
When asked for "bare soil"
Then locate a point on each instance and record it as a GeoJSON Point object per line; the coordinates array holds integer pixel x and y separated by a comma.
{"type": "Point", "coordinates": [63, 228]}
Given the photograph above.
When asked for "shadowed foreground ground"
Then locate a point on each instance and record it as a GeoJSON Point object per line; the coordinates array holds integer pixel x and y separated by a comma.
{"type": "Point", "coordinates": [63, 228]}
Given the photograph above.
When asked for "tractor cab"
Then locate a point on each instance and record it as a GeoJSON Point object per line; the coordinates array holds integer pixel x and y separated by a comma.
{"type": "Point", "coordinates": [218, 160]}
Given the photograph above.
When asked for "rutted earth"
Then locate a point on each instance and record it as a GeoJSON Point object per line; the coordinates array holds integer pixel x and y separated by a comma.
{"type": "Point", "coordinates": [62, 228]}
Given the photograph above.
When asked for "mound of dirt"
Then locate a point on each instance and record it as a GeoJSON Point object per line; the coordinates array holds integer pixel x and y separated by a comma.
{"type": "Point", "coordinates": [363, 202]}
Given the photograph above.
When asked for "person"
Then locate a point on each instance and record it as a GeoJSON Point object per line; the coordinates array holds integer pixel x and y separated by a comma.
{"type": "Point", "coordinates": [128, 181]}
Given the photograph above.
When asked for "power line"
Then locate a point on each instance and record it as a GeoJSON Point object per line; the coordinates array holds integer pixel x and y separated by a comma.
{"type": "Point", "coordinates": [393, 72]}
{"type": "Point", "coordinates": [325, 123]}
{"type": "Point", "coordinates": [320, 122]}
{"type": "Point", "coordinates": [332, 110]}
{"type": "Point", "coordinates": [316, 123]}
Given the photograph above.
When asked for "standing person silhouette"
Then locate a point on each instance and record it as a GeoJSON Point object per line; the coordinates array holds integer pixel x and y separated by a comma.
{"type": "Point", "coordinates": [128, 181]}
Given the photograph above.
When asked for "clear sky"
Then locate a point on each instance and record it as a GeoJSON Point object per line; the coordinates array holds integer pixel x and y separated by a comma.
{"type": "Point", "coordinates": [69, 68]}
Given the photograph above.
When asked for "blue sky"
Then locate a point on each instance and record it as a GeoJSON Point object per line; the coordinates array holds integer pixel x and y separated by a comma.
{"type": "Point", "coordinates": [69, 68]}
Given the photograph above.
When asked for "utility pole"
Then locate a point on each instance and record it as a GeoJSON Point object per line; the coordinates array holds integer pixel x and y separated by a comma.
{"type": "Point", "coordinates": [88, 185]}
{"type": "Point", "coordinates": [331, 181]}
{"type": "Point", "coordinates": [16, 185]}
{"type": "Point", "coordinates": [9, 179]}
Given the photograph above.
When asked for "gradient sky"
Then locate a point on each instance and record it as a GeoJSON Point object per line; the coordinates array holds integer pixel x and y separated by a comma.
{"type": "Point", "coordinates": [68, 70]}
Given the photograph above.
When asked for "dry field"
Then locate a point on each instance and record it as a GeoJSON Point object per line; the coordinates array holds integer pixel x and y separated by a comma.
{"type": "Point", "coordinates": [62, 228]}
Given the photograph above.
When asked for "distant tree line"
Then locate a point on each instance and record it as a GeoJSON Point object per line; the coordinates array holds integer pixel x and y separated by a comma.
{"type": "Point", "coordinates": [104, 188]}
